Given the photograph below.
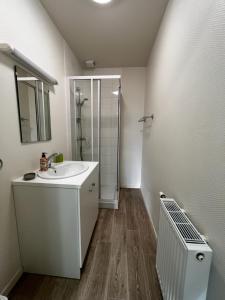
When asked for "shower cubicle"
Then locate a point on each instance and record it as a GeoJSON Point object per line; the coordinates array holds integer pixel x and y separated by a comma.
{"type": "Point", "coordinates": [95, 129]}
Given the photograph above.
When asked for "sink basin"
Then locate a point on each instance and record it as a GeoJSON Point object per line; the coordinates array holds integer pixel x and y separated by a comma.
{"type": "Point", "coordinates": [63, 170]}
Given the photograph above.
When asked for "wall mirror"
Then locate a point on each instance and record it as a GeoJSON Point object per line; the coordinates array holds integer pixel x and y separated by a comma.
{"type": "Point", "coordinates": [33, 107]}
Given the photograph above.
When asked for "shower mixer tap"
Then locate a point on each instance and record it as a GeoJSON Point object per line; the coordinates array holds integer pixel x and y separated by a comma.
{"type": "Point", "coordinates": [81, 139]}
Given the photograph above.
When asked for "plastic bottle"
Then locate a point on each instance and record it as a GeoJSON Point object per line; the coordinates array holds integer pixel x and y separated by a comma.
{"type": "Point", "coordinates": [44, 162]}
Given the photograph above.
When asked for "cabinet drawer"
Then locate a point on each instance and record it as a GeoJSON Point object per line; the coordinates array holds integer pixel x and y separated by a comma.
{"type": "Point", "coordinates": [89, 203]}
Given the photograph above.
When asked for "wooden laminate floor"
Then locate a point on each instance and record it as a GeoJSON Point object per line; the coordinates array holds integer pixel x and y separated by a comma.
{"type": "Point", "coordinates": [120, 264]}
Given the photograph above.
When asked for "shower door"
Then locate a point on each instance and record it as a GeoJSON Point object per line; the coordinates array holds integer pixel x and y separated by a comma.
{"type": "Point", "coordinates": [109, 136]}
{"type": "Point", "coordinates": [81, 120]}
{"type": "Point", "coordinates": [95, 107]}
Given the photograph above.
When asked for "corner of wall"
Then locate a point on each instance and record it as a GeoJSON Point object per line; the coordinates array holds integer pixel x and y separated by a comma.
{"type": "Point", "coordinates": [70, 69]}
{"type": "Point", "coordinates": [11, 283]}
{"type": "Point", "coordinates": [148, 210]}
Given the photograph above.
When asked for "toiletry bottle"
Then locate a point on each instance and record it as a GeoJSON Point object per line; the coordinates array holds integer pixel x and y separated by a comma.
{"type": "Point", "coordinates": [44, 162]}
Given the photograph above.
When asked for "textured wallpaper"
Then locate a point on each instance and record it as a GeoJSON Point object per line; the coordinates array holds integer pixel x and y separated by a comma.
{"type": "Point", "coordinates": [184, 147]}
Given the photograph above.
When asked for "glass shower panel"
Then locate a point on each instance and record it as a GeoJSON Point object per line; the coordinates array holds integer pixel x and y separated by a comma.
{"type": "Point", "coordinates": [109, 138]}
{"type": "Point", "coordinates": [81, 120]}
{"type": "Point", "coordinates": [95, 111]}
{"type": "Point", "coordinates": [96, 119]}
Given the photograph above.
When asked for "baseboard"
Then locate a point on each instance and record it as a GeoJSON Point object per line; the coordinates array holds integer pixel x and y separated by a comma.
{"type": "Point", "coordinates": [129, 186]}
{"type": "Point", "coordinates": [8, 287]}
{"type": "Point", "coordinates": [109, 204]}
{"type": "Point", "coordinates": [149, 213]}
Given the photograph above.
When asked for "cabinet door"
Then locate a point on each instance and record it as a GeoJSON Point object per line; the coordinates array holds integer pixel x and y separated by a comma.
{"type": "Point", "coordinates": [88, 212]}
{"type": "Point", "coordinates": [48, 228]}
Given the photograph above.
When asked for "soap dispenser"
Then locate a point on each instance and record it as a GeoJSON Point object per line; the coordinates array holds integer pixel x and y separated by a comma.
{"type": "Point", "coordinates": [44, 162]}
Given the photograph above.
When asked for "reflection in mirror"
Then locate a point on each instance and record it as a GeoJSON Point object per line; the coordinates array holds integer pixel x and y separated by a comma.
{"type": "Point", "coordinates": [34, 107]}
{"type": "Point", "coordinates": [44, 124]}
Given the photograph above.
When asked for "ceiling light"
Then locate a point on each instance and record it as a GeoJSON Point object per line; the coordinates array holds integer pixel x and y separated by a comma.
{"type": "Point", "coordinates": [102, 1]}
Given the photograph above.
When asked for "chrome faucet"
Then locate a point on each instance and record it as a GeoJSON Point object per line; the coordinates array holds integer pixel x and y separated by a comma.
{"type": "Point", "coordinates": [50, 158]}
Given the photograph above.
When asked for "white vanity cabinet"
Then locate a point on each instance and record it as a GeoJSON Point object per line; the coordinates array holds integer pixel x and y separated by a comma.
{"type": "Point", "coordinates": [88, 212]}
{"type": "Point", "coordinates": [55, 220]}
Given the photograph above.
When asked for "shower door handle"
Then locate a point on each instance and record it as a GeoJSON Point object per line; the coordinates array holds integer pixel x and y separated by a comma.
{"type": "Point", "coordinates": [1, 164]}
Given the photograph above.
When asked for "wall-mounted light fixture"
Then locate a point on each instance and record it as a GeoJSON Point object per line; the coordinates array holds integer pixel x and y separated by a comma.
{"type": "Point", "coordinates": [22, 60]}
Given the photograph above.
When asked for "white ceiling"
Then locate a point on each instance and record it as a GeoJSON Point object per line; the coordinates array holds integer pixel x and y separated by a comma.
{"type": "Point", "coordinates": [116, 35]}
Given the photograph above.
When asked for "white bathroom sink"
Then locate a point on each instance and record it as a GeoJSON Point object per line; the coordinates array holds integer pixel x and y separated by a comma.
{"type": "Point", "coordinates": [63, 170]}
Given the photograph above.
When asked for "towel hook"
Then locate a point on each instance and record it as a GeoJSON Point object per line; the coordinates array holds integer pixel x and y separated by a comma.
{"type": "Point", "coordinates": [143, 119]}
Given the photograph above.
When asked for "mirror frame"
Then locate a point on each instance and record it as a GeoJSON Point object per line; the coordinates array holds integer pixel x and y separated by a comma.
{"type": "Point", "coordinates": [44, 92]}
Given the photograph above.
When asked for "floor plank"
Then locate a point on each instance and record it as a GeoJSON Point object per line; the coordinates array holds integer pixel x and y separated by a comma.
{"type": "Point", "coordinates": [136, 269]}
{"type": "Point", "coordinates": [151, 277]}
{"type": "Point", "coordinates": [96, 284]}
{"type": "Point", "coordinates": [122, 202]}
{"type": "Point", "coordinates": [118, 285]}
{"type": "Point", "coordinates": [86, 273]}
{"type": "Point", "coordinates": [130, 210]}
{"type": "Point", "coordinates": [27, 287]}
{"type": "Point", "coordinates": [103, 230]}
{"type": "Point", "coordinates": [120, 264]}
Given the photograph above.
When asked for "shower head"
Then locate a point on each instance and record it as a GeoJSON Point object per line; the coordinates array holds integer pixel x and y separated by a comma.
{"type": "Point", "coordinates": [82, 102]}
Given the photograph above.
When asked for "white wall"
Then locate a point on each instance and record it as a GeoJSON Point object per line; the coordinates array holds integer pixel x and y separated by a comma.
{"type": "Point", "coordinates": [183, 150]}
{"type": "Point", "coordinates": [72, 68]}
{"type": "Point", "coordinates": [26, 25]}
{"type": "Point", "coordinates": [132, 109]}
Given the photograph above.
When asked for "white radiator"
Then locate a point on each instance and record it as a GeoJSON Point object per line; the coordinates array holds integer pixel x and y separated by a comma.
{"type": "Point", "coordinates": [183, 257]}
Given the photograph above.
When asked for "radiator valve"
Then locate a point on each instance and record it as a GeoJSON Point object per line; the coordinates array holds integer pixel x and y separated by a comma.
{"type": "Point", "coordinates": [162, 195]}
{"type": "Point", "coordinates": [200, 256]}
